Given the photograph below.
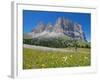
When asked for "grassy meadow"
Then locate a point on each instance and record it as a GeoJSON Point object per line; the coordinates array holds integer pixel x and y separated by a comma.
{"type": "Point", "coordinates": [35, 58]}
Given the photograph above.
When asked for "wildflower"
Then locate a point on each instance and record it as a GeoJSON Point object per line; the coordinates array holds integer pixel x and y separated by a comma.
{"type": "Point", "coordinates": [70, 55]}
{"type": "Point", "coordinates": [65, 58]}
{"type": "Point", "coordinates": [43, 65]}
{"type": "Point", "coordinates": [85, 57]}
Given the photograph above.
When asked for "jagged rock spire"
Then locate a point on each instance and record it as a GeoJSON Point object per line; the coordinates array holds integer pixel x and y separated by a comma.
{"type": "Point", "coordinates": [63, 26]}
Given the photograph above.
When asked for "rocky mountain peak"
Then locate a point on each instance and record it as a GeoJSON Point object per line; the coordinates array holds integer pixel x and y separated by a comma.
{"type": "Point", "coordinates": [62, 26]}
{"type": "Point", "coordinates": [49, 27]}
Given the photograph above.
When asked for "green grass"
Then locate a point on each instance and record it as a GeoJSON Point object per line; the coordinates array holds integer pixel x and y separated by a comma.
{"type": "Point", "coordinates": [33, 58]}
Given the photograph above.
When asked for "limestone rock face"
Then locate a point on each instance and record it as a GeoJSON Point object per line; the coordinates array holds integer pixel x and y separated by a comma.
{"type": "Point", "coordinates": [62, 26]}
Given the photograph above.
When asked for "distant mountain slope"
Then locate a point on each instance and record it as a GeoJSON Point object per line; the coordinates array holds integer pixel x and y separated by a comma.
{"type": "Point", "coordinates": [62, 27]}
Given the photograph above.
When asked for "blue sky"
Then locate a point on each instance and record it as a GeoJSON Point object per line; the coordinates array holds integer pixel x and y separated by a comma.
{"type": "Point", "coordinates": [32, 18]}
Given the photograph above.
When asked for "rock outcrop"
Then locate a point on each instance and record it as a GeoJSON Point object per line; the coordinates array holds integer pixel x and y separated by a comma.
{"type": "Point", "coordinates": [62, 26]}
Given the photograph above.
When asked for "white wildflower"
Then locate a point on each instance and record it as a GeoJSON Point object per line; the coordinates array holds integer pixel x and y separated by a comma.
{"type": "Point", "coordinates": [70, 55]}
{"type": "Point", "coordinates": [65, 58]}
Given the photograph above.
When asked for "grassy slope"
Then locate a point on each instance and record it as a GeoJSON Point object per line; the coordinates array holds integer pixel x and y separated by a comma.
{"type": "Point", "coordinates": [33, 58]}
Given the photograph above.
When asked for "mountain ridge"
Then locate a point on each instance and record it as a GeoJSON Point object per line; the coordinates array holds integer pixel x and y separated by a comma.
{"type": "Point", "coordinates": [62, 27]}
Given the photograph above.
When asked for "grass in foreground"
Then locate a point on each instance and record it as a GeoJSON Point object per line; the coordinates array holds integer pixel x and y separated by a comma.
{"type": "Point", "coordinates": [33, 58]}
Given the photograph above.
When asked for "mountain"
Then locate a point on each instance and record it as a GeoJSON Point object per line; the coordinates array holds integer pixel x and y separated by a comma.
{"type": "Point", "coordinates": [62, 27]}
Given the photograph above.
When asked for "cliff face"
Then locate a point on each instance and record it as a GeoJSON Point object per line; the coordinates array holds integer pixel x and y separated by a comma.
{"type": "Point", "coordinates": [61, 27]}
{"type": "Point", "coordinates": [69, 28]}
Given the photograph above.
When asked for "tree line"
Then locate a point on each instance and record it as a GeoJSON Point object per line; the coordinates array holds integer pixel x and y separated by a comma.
{"type": "Point", "coordinates": [57, 42]}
